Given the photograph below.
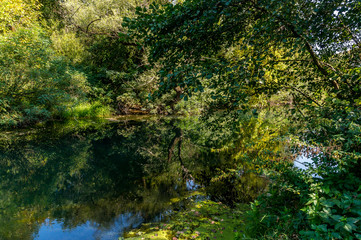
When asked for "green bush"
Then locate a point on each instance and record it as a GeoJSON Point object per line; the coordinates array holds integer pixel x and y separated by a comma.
{"type": "Point", "coordinates": [67, 44]}
{"type": "Point", "coordinates": [86, 110]}
{"type": "Point", "coordinates": [35, 83]}
{"type": "Point", "coordinates": [323, 201]}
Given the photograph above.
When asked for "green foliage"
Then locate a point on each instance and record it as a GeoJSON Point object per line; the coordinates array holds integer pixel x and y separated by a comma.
{"type": "Point", "coordinates": [202, 220]}
{"type": "Point", "coordinates": [266, 33]}
{"type": "Point", "coordinates": [334, 199]}
{"type": "Point", "coordinates": [86, 110]}
{"type": "Point", "coordinates": [246, 49]}
{"type": "Point", "coordinates": [116, 64]}
{"type": "Point", "coordinates": [49, 10]}
{"type": "Point", "coordinates": [18, 13]}
{"type": "Point", "coordinates": [299, 59]}
{"type": "Point", "coordinates": [102, 17]}
{"type": "Point", "coordinates": [243, 145]}
{"type": "Point", "coordinates": [321, 202]}
{"type": "Point", "coordinates": [35, 83]}
{"type": "Point", "coordinates": [66, 44]}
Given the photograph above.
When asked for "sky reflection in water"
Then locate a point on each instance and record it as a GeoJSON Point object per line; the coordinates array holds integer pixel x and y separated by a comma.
{"type": "Point", "coordinates": [54, 230]}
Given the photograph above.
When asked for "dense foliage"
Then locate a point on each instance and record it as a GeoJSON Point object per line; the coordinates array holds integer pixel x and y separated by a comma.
{"type": "Point", "coordinates": [274, 80]}
{"type": "Point", "coordinates": [18, 13]}
{"type": "Point", "coordinates": [35, 83]}
{"type": "Point", "coordinates": [308, 49]}
{"type": "Point", "coordinates": [64, 59]}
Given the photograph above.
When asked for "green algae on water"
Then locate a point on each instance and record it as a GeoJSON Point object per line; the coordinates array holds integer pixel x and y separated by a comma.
{"type": "Point", "coordinates": [203, 220]}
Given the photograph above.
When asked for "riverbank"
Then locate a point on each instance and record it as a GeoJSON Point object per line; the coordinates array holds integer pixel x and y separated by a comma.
{"type": "Point", "coordinates": [202, 220]}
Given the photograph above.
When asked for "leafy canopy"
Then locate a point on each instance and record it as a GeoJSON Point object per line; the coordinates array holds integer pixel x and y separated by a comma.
{"type": "Point", "coordinates": [320, 40]}
{"type": "Point", "coordinates": [308, 49]}
{"type": "Point", "coordinates": [15, 13]}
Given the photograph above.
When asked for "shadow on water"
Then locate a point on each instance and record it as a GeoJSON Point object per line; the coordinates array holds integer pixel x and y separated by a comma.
{"type": "Point", "coordinates": [85, 180]}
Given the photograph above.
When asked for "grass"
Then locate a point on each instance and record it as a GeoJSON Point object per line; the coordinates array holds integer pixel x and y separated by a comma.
{"type": "Point", "coordinates": [87, 110]}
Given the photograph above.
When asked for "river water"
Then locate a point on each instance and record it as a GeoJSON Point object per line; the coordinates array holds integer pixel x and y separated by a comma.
{"type": "Point", "coordinates": [97, 180]}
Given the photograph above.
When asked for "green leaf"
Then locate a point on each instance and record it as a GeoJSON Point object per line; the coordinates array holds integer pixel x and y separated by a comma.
{"type": "Point", "coordinates": [322, 227]}
{"type": "Point", "coordinates": [327, 203]}
{"type": "Point", "coordinates": [352, 220]}
{"type": "Point", "coordinates": [209, 76]}
{"type": "Point", "coordinates": [337, 218]}
{"type": "Point", "coordinates": [358, 236]}
{"type": "Point", "coordinates": [339, 225]}
{"type": "Point", "coordinates": [348, 227]}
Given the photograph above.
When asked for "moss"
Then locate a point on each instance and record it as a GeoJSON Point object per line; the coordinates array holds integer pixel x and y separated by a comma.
{"type": "Point", "coordinates": [202, 220]}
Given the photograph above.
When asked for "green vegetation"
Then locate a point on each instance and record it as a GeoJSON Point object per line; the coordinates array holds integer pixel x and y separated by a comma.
{"type": "Point", "coordinates": [205, 219]}
{"type": "Point", "coordinates": [35, 84]}
{"type": "Point", "coordinates": [68, 59]}
{"type": "Point", "coordinates": [270, 81]}
{"type": "Point", "coordinates": [308, 51]}
{"type": "Point", "coordinates": [97, 171]}
{"type": "Point", "coordinates": [18, 13]}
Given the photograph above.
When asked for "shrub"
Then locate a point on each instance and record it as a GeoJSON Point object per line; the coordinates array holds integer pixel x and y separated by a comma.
{"type": "Point", "coordinates": [35, 83]}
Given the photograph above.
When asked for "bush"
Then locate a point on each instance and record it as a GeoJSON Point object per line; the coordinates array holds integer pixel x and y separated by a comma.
{"type": "Point", "coordinates": [35, 83]}
{"type": "Point", "coordinates": [86, 110]}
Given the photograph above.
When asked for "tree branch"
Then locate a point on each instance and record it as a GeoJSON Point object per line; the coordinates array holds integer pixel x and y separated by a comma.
{"type": "Point", "coordinates": [87, 27]}
{"type": "Point", "coordinates": [305, 95]}
{"type": "Point", "coordinates": [354, 38]}
{"type": "Point", "coordinates": [308, 46]}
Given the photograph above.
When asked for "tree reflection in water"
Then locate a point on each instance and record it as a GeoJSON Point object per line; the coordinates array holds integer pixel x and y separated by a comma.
{"type": "Point", "coordinates": [97, 179]}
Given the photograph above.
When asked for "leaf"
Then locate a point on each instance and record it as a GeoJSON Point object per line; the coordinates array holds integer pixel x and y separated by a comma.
{"type": "Point", "coordinates": [352, 220]}
{"type": "Point", "coordinates": [307, 233]}
{"type": "Point", "coordinates": [328, 203]}
{"type": "Point", "coordinates": [322, 227]}
{"type": "Point", "coordinates": [337, 218]}
{"type": "Point", "coordinates": [358, 236]}
{"type": "Point", "coordinates": [356, 211]}
{"type": "Point", "coordinates": [209, 76]}
{"type": "Point", "coordinates": [348, 227]}
{"type": "Point", "coordinates": [339, 225]}
{"type": "Point", "coordinates": [336, 235]}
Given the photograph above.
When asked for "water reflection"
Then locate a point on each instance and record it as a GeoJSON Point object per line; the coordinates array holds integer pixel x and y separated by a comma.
{"type": "Point", "coordinates": [55, 229]}
{"type": "Point", "coordinates": [96, 180]}
{"type": "Point", "coordinates": [87, 182]}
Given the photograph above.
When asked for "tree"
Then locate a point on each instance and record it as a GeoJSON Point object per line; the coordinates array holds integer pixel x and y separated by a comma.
{"type": "Point", "coordinates": [35, 84]}
{"type": "Point", "coordinates": [15, 13]}
{"type": "Point", "coordinates": [309, 48]}
{"type": "Point", "coordinates": [117, 63]}
{"type": "Point", "coordinates": [187, 37]}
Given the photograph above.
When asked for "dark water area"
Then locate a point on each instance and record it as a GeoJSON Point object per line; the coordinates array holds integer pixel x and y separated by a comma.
{"type": "Point", "coordinates": [97, 180]}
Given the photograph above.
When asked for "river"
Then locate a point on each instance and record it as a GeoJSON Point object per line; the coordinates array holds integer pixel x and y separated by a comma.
{"type": "Point", "coordinates": [100, 179]}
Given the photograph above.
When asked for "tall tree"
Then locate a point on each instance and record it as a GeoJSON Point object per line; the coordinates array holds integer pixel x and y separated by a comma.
{"type": "Point", "coordinates": [321, 39]}
{"type": "Point", "coordinates": [309, 48]}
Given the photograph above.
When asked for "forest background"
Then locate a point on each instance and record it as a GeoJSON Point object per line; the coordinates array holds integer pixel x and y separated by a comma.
{"type": "Point", "coordinates": [275, 79]}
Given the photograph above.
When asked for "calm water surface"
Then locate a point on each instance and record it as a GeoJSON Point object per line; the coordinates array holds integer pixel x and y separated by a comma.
{"type": "Point", "coordinates": [96, 180]}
